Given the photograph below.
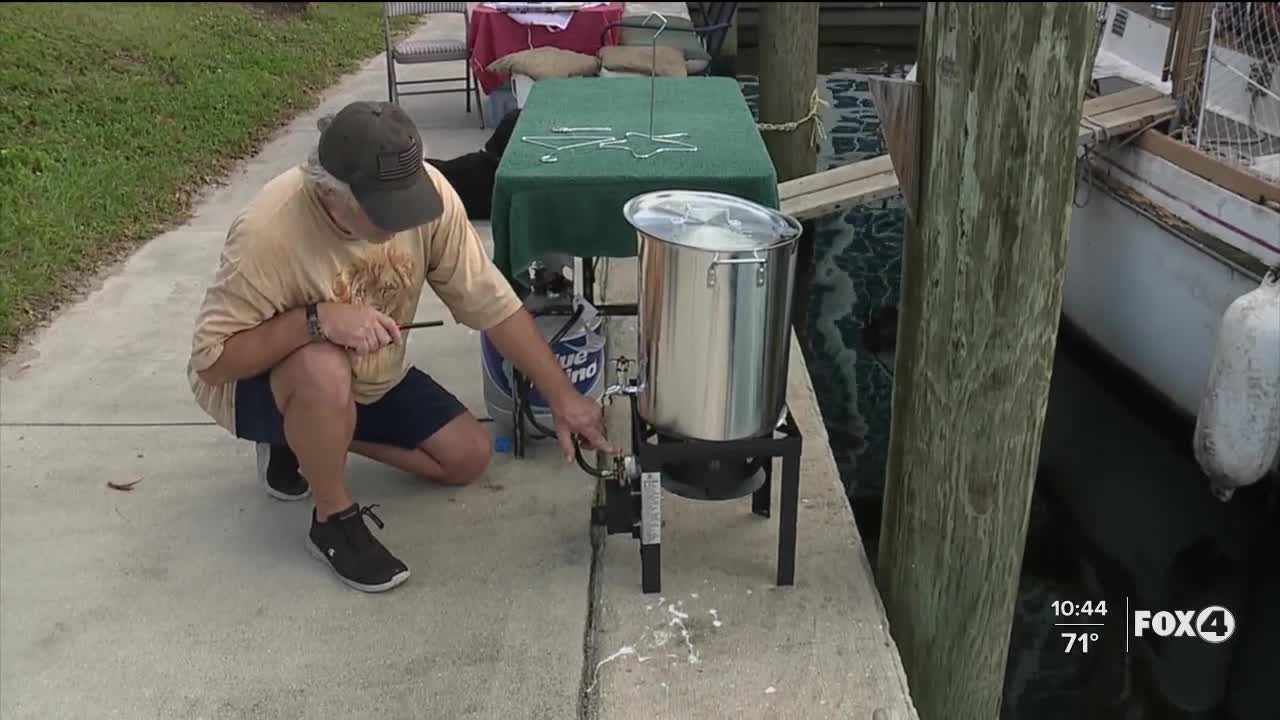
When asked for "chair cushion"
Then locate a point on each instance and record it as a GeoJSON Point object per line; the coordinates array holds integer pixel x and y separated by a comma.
{"type": "Point", "coordinates": [546, 63]}
{"type": "Point", "coordinates": [425, 51]}
{"type": "Point", "coordinates": [677, 35]}
{"type": "Point", "coordinates": [634, 59]}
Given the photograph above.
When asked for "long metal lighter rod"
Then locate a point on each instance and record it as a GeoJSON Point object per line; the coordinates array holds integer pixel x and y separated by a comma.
{"type": "Point", "coordinates": [427, 324]}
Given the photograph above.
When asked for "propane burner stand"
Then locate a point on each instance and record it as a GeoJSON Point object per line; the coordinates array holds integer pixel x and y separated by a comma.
{"type": "Point", "coordinates": [633, 492]}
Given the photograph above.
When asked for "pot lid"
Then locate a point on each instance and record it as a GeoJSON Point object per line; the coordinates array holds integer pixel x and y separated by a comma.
{"type": "Point", "coordinates": [709, 221]}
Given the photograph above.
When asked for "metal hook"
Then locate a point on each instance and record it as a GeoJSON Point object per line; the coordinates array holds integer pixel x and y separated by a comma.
{"type": "Point", "coordinates": [661, 17]}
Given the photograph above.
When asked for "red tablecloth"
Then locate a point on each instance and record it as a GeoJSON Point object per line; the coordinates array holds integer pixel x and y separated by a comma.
{"type": "Point", "coordinates": [494, 35]}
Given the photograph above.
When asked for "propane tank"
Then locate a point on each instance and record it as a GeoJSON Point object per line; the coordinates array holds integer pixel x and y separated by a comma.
{"type": "Point", "coordinates": [1237, 436]}
{"type": "Point", "coordinates": [580, 349]}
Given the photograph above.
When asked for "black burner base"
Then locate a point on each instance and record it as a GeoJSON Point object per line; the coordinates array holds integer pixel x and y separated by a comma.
{"type": "Point", "coordinates": [702, 470]}
{"type": "Point", "coordinates": [711, 479]}
{"type": "Point", "coordinates": [703, 483]}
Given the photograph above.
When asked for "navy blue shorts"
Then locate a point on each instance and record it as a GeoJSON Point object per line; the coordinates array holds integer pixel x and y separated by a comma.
{"type": "Point", "coordinates": [405, 416]}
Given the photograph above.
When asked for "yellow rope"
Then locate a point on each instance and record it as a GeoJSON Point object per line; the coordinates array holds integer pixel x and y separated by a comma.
{"type": "Point", "coordinates": [792, 126]}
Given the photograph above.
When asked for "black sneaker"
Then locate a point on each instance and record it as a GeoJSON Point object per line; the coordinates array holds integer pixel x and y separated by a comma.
{"type": "Point", "coordinates": [346, 545]}
{"type": "Point", "coordinates": [278, 472]}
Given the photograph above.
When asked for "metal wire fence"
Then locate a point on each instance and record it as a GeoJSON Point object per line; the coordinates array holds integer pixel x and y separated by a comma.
{"type": "Point", "coordinates": [1237, 101]}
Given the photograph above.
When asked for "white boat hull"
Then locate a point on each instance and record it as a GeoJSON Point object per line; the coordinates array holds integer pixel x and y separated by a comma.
{"type": "Point", "coordinates": [1155, 260]}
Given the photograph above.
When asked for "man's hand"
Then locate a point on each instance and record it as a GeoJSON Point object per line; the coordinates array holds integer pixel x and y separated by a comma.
{"type": "Point", "coordinates": [575, 414]}
{"type": "Point", "coordinates": [358, 327]}
{"type": "Point", "coordinates": [519, 340]}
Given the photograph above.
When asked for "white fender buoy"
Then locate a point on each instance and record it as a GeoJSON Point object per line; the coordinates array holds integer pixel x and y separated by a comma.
{"type": "Point", "coordinates": [1237, 436]}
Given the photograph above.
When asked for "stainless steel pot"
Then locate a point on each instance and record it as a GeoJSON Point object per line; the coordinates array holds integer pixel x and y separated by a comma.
{"type": "Point", "coordinates": [715, 282]}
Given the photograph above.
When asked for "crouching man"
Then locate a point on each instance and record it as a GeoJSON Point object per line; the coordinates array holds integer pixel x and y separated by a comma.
{"type": "Point", "coordinates": [298, 347]}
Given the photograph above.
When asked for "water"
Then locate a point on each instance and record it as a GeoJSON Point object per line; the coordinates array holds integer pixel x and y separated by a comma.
{"type": "Point", "coordinates": [857, 268]}
{"type": "Point", "coordinates": [1120, 510]}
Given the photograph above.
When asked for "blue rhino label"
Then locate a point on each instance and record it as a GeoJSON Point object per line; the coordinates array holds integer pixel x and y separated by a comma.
{"type": "Point", "coordinates": [581, 357]}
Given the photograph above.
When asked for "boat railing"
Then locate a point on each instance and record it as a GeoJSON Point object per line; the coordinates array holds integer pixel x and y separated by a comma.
{"type": "Point", "coordinates": [1224, 63]}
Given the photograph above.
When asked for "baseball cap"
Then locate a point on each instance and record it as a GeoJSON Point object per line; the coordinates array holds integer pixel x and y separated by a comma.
{"type": "Point", "coordinates": [376, 149]}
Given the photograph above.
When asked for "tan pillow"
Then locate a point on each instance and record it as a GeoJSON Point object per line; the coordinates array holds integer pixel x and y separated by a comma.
{"type": "Point", "coordinates": [546, 63]}
{"type": "Point", "coordinates": [635, 59]}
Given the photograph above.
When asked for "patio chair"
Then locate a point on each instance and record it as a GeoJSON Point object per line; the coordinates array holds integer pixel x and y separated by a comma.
{"type": "Point", "coordinates": [422, 52]}
{"type": "Point", "coordinates": [701, 44]}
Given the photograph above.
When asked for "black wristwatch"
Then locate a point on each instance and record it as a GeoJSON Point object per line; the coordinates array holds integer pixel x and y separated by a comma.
{"type": "Point", "coordinates": [313, 323]}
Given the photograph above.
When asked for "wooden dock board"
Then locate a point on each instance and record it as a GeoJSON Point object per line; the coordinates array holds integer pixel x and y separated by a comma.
{"type": "Point", "coordinates": [1108, 117]}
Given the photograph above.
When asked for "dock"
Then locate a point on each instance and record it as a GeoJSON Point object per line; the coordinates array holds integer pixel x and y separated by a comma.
{"type": "Point", "coordinates": [1106, 119]}
{"type": "Point", "coordinates": [193, 595]}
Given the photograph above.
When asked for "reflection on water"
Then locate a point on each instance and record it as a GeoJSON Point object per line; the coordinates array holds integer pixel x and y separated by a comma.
{"type": "Point", "coordinates": [856, 272]}
{"type": "Point", "coordinates": [1120, 511]}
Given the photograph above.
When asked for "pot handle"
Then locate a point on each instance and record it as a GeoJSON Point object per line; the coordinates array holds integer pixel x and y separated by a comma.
{"type": "Point", "coordinates": [760, 262]}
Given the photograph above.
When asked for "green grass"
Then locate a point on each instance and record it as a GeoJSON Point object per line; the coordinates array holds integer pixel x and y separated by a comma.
{"type": "Point", "coordinates": [112, 116]}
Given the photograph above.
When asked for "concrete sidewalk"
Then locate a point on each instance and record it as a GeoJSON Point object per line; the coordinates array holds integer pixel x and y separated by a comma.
{"type": "Point", "coordinates": [192, 596]}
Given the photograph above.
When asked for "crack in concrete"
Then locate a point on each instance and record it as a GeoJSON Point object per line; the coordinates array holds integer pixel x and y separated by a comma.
{"type": "Point", "coordinates": [587, 709]}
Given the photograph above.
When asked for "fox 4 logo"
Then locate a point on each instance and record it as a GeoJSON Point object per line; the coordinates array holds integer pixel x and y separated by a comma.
{"type": "Point", "coordinates": [1214, 624]}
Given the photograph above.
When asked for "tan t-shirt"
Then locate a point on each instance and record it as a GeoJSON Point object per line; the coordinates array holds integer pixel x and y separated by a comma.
{"type": "Point", "coordinates": [284, 251]}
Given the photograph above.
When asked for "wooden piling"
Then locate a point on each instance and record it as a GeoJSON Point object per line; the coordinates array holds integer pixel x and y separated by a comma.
{"type": "Point", "coordinates": [788, 81]}
{"type": "Point", "coordinates": [1002, 89]}
{"type": "Point", "coordinates": [729, 49]}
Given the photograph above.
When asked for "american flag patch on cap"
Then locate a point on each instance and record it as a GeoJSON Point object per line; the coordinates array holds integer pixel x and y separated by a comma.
{"type": "Point", "coordinates": [399, 165]}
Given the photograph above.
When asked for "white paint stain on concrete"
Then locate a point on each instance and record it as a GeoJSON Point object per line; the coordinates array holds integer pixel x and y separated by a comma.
{"type": "Point", "coordinates": [677, 620]}
{"type": "Point", "coordinates": [657, 637]}
{"type": "Point", "coordinates": [624, 651]}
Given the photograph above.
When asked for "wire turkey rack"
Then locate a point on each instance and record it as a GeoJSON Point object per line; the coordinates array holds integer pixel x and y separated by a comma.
{"type": "Point", "coordinates": [574, 138]}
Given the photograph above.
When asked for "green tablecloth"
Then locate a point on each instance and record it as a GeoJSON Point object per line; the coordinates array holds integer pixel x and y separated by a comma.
{"type": "Point", "coordinates": [574, 206]}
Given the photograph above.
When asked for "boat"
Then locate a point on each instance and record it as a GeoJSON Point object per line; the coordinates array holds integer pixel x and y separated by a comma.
{"type": "Point", "coordinates": [1168, 232]}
